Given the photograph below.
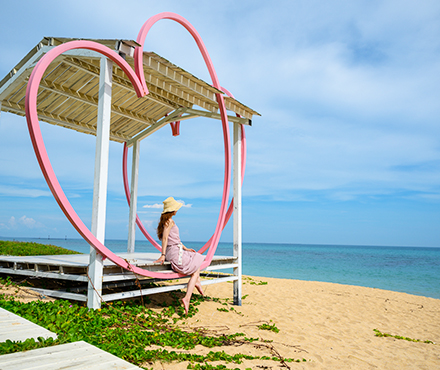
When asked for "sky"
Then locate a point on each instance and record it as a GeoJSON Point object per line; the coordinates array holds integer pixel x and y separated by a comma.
{"type": "Point", "coordinates": [346, 151]}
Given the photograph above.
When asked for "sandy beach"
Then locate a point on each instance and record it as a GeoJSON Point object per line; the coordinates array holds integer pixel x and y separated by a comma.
{"type": "Point", "coordinates": [331, 326]}
{"type": "Point", "coordinates": [324, 325]}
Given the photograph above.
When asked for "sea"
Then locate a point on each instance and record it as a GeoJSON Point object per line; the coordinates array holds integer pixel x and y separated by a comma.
{"type": "Point", "coordinates": [413, 270]}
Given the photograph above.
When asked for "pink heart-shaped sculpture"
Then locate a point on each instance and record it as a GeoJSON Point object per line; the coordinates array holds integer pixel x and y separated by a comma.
{"type": "Point", "coordinates": [138, 80]}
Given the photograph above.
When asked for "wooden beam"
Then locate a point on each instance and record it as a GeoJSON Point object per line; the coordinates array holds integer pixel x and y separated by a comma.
{"type": "Point", "coordinates": [133, 198]}
{"type": "Point", "coordinates": [237, 217]}
{"type": "Point", "coordinates": [201, 113]}
{"type": "Point", "coordinates": [152, 129]}
{"type": "Point", "coordinates": [100, 183]}
{"type": "Point", "coordinates": [238, 108]}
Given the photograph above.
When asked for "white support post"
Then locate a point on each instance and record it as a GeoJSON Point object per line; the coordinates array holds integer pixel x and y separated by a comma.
{"type": "Point", "coordinates": [237, 218]}
{"type": "Point", "coordinates": [100, 182]}
{"type": "Point", "coordinates": [133, 198]}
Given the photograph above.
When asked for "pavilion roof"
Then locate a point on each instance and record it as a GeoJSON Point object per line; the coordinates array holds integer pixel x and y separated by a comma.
{"type": "Point", "coordinates": [68, 92]}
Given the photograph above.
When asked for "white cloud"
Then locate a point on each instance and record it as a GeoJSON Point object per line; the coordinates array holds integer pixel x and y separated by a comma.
{"type": "Point", "coordinates": [184, 204]}
{"type": "Point", "coordinates": [10, 224]}
{"type": "Point", "coordinates": [160, 205]}
{"type": "Point", "coordinates": [156, 206]}
{"type": "Point", "coordinates": [30, 223]}
{"type": "Point", "coordinates": [14, 191]}
{"type": "Point", "coordinates": [27, 222]}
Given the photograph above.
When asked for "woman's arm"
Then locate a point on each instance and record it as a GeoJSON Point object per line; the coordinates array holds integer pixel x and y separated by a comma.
{"type": "Point", "coordinates": [166, 232]}
{"type": "Point", "coordinates": [188, 249]}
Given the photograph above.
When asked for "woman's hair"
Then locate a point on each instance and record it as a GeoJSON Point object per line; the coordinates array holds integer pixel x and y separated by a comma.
{"type": "Point", "coordinates": [164, 219]}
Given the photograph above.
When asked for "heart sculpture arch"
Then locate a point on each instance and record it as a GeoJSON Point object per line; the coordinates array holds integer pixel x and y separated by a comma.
{"type": "Point", "coordinates": [230, 208]}
{"type": "Point", "coordinates": [137, 78]}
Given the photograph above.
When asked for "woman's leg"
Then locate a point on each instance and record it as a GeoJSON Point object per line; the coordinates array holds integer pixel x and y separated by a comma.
{"type": "Point", "coordinates": [189, 290]}
{"type": "Point", "coordinates": [199, 286]}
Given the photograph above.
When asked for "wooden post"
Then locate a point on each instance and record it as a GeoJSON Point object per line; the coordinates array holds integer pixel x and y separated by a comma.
{"type": "Point", "coordinates": [237, 218]}
{"type": "Point", "coordinates": [133, 198]}
{"type": "Point", "coordinates": [100, 181]}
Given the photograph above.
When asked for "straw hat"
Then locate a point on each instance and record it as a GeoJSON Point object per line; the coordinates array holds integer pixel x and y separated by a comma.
{"type": "Point", "coordinates": [171, 205]}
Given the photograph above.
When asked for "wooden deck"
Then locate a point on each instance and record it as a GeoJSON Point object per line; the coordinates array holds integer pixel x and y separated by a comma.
{"type": "Point", "coordinates": [74, 267]}
{"type": "Point", "coordinates": [78, 355]}
{"type": "Point", "coordinates": [15, 328]}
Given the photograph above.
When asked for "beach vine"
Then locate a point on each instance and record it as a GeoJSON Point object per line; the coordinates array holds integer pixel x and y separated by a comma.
{"type": "Point", "coordinates": [385, 335]}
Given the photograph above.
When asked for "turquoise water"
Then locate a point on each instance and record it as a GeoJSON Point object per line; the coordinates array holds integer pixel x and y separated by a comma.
{"type": "Point", "coordinates": [414, 270]}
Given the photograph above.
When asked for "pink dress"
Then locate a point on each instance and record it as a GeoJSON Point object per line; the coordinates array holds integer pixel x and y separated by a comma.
{"type": "Point", "coordinates": [188, 262]}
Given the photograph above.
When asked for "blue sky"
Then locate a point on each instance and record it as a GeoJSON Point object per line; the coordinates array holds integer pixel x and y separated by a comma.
{"type": "Point", "coordinates": [347, 150]}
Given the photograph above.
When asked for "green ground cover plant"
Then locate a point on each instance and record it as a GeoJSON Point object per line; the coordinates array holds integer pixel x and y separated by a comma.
{"type": "Point", "coordinates": [15, 248]}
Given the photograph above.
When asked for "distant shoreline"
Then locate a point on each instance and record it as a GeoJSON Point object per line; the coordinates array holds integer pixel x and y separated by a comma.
{"type": "Point", "coordinates": [244, 242]}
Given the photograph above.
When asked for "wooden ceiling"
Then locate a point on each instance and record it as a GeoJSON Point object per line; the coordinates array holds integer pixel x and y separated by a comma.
{"type": "Point", "coordinates": [68, 92]}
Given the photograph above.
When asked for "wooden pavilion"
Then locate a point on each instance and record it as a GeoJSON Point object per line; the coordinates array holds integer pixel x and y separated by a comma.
{"type": "Point", "coordinates": [85, 91]}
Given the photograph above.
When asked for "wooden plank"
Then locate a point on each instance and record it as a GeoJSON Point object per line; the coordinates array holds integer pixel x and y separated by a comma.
{"type": "Point", "coordinates": [60, 294]}
{"type": "Point", "coordinates": [16, 328]}
{"type": "Point", "coordinates": [43, 274]}
{"type": "Point", "coordinates": [221, 267]}
{"type": "Point", "coordinates": [81, 260]}
{"type": "Point", "coordinates": [78, 355]}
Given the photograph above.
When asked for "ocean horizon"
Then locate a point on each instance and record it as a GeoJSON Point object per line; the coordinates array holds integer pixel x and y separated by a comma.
{"type": "Point", "coordinates": [412, 270]}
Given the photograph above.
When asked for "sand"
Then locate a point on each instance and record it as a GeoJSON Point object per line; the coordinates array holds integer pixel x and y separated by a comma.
{"type": "Point", "coordinates": [330, 326]}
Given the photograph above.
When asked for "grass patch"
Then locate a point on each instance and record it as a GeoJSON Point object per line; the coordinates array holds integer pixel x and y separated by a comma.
{"type": "Point", "coordinates": [15, 248]}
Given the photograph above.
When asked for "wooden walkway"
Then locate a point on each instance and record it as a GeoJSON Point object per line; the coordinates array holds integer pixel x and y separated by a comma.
{"type": "Point", "coordinates": [78, 356]}
{"type": "Point", "coordinates": [15, 328]}
{"type": "Point", "coordinates": [74, 267]}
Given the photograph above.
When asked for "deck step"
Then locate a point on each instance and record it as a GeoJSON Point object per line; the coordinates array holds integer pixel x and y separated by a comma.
{"type": "Point", "coordinates": [15, 328]}
{"type": "Point", "coordinates": [78, 355]}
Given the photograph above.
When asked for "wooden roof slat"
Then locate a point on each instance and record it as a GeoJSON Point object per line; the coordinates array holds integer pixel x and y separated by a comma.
{"type": "Point", "coordinates": [76, 95]}
{"type": "Point", "coordinates": [63, 121]}
{"type": "Point", "coordinates": [121, 82]}
{"type": "Point", "coordinates": [17, 93]}
{"type": "Point", "coordinates": [155, 84]}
